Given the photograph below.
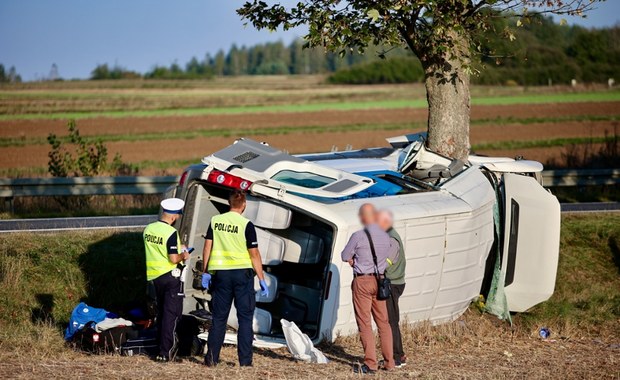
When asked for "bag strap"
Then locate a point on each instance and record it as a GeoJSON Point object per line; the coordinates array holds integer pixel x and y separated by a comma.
{"type": "Point", "coordinates": [372, 250]}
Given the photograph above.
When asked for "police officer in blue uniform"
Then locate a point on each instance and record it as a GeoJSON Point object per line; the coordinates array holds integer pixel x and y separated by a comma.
{"type": "Point", "coordinates": [164, 252]}
{"type": "Point", "coordinates": [231, 260]}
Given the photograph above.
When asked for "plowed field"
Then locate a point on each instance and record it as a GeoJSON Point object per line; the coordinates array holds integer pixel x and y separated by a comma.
{"type": "Point", "coordinates": [164, 143]}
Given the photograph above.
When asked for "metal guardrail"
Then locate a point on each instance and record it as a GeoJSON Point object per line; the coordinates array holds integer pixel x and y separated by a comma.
{"type": "Point", "coordinates": [585, 177]}
{"type": "Point", "coordinates": [33, 187]}
{"type": "Point", "coordinates": [30, 187]}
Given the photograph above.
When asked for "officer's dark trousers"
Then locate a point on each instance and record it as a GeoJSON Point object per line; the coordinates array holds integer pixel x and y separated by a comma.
{"type": "Point", "coordinates": [169, 310]}
{"type": "Point", "coordinates": [229, 285]}
{"type": "Point", "coordinates": [394, 317]}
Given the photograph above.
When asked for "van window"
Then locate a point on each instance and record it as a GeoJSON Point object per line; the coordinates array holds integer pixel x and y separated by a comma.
{"type": "Point", "coordinates": [303, 179]}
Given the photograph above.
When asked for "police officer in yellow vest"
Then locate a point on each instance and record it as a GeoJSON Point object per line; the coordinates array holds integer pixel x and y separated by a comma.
{"type": "Point", "coordinates": [231, 260]}
{"type": "Point", "coordinates": [163, 252]}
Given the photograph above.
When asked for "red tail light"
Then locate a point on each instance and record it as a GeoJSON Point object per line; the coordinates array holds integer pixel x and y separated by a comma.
{"type": "Point", "coordinates": [228, 180]}
{"type": "Point", "coordinates": [183, 178]}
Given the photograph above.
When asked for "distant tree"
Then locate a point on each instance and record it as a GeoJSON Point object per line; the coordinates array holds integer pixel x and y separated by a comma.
{"type": "Point", "coordinates": [54, 75]}
{"type": "Point", "coordinates": [445, 35]}
{"type": "Point", "coordinates": [3, 77]}
{"type": "Point", "coordinates": [233, 66]}
{"type": "Point", "coordinates": [103, 71]}
{"type": "Point", "coordinates": [100, 72]}
{"type": "Point", "coordinates": [9, 77]}
{"type": "Point", "coordinates": [219, 63]}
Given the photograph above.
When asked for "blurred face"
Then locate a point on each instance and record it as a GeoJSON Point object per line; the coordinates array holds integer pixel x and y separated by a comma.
{"type": "Point", "coordinates": [367, 214]}
{"type": "Point", "coordinates": [384, 220]}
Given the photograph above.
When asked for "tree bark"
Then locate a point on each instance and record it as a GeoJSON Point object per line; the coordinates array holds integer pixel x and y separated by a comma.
{"type": "Point", "coordinates": [447, 92]}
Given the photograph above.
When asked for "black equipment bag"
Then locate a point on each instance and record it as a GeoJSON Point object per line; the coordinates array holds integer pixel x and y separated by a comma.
{"type": "Point", "coordinates": [143, 344]}
{"type": "Point", "coordinates": [140, 346]}
{"type": "Point", "coordinates": [108, 341]}
{"type": "Point", "coordinates": [383, 283]}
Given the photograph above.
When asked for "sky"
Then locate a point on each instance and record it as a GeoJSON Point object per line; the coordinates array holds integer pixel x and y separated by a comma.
{"type": "Point", "coordinates": [77, 35]}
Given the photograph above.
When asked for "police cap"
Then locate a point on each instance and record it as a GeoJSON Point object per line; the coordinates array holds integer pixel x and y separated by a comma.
{"type": "Point", "coordinates": [172, 205]}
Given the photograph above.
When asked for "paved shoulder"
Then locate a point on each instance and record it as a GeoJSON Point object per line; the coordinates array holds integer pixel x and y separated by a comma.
{"type": "Point", "coordinates": [59, 224]}
{"type": "Point", "coordinates": [590, 207]}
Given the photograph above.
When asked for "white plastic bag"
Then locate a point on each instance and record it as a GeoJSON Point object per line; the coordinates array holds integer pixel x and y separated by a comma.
{"type": "Point", "coordinates": [300, 345]}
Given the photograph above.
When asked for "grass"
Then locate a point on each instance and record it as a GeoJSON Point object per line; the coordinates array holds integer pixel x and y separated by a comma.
{"type": "Point", "coordinates": [76, 206]}
{"type": "Point", "coordinates": [322, 106]}
{"type": "Point", "coordinates": [43, 276]}
{"type": "Point", "coordinates": [587, 295]}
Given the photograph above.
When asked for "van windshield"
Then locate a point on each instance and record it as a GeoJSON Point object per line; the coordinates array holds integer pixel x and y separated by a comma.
{"type": "Point", "coordinates": [303, 179]}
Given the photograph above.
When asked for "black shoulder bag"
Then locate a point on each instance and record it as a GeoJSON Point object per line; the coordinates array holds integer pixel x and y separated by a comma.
{"type": "Point", "coordinates": [383, 283]}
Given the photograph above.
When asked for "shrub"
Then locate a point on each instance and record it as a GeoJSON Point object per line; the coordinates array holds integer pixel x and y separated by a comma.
{"type": "Point", "coordinates": [392, 70]}
{"type": "Point", "coordinates": [84, 159]}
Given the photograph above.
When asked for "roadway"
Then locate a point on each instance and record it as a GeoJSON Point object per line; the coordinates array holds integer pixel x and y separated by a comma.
{"type": "Point", "coordinates": [139, 221]}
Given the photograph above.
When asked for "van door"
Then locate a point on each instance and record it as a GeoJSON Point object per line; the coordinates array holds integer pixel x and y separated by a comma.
{"type": "Point", "coordinates": [269, 167]}
{"type": "Point", "coordinates": [531, 241]}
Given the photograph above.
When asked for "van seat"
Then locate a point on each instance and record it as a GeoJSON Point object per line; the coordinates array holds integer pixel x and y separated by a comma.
{"type": "Point", "coordinates": [271, 247]}
{"type": "Point", "coordinates": [261, 322]}
{"type": "Point", "coordinates": [272, 284]}
{"type": "Point", "coordinates": [267, 215]}
{"type": "Point", "coordinates": [439, 171]}
{"type": "Point", "coordinates": [301, 247]}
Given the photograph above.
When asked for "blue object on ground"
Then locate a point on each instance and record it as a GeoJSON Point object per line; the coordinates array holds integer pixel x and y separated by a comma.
{"type": "Point", "coordinates": [81, 316]}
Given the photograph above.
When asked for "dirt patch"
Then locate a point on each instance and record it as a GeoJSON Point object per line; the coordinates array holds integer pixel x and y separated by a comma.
{"type": "Point", "coordinates": [136, 125]}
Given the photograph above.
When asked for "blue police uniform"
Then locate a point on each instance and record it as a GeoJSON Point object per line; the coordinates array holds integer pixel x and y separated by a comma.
{"type": "Point", "coordinates": [233, 280]}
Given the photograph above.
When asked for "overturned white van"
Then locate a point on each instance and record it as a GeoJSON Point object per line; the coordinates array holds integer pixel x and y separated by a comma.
{"type": "Point", "coordinates": [447, 212]}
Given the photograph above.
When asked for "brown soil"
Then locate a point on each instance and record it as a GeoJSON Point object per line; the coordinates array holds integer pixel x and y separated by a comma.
{"type": "Point", "coordinates": [300, 142]}
{"type": "Point", "coordinates": [97, 126]}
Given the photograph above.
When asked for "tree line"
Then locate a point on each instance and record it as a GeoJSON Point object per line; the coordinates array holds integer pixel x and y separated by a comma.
{"type": "Point", "coordinates": [272, 58]}
{"type": "Point", "coordinates": [540, 52]}
{"type": "Point", "coordinates": [10, 75]}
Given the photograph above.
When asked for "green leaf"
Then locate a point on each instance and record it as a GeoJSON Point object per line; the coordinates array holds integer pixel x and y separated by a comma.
{"type": "Point", "coordinates": [519, 23]}
{"type": "Point", "coordinates": [563, 21]}
{"type": "Point", "coordinates": [373, 14]}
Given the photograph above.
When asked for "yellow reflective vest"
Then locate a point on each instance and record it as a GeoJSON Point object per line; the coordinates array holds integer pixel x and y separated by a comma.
{"type": "Point", "coordinates": [229, 249]}
{"type": "Point", "coordinates": [156, 236]}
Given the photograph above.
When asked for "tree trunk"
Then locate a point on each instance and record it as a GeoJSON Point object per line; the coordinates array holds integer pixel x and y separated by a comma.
{"type": "Point", "coordinates": [447, 91]}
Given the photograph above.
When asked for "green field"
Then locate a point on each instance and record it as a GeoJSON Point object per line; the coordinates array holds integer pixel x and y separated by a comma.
{"type": "Point", "coordinates": [608, 96]}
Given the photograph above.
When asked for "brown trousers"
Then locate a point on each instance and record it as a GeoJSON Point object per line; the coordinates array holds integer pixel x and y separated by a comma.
{"type": "Point", "coordinates": [365, 303]}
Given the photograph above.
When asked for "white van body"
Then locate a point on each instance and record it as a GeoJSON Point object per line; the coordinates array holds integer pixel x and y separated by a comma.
{"type": "Point", "coordinates": [305, 210]}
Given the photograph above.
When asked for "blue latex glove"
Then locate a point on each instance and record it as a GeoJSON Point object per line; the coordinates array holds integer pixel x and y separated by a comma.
{"type": "Point", "coordinates": [206, 280]}
{"type": "Point", "coordinates": [264, 289]}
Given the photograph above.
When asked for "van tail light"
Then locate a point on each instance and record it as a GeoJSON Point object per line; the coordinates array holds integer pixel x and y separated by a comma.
{"type": "Point", "coordinates": [183, 178]}
{"type": "Point", "coordinates": [228, 180]}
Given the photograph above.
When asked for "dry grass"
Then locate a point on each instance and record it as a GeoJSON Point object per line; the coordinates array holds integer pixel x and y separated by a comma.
{"type": "Point", "coordinates": [583, 316]}
{"type": "Point", "coordinates": [475, 346]}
